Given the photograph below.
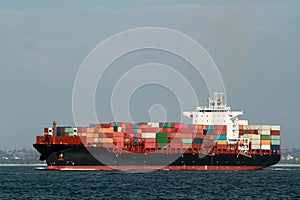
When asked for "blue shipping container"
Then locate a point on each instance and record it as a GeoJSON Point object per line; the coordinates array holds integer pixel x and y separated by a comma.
{"type": "Point", "coordinates": [115, 123]}
{"type": "Point", "coordinates": [220, 137]}
{"type": "Point", "coordinates": [275, 147]}
{"type": "Point", "coordinates": [135, 139]}
{"type": "Point", "coordinates": [91, 125]}
{"type": "Point", "coordinates": [198, 140]}
{"type": "Point", "coordinates": [209, 127]}
{"type": "Point", "coordinates": [136, 125]}
{"type": "Point", "coordinates": [161, 124]}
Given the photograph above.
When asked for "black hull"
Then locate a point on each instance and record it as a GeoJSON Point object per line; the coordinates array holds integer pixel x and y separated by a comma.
{"type": "Point", "coordinates": [79, 155]}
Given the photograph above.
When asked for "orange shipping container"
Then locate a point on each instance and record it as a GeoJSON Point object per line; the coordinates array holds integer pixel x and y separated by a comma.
{"type": "Point", "coordinates": [107, 130]}
{"type": "Point", "coordinates": [222, 142]}
{"type": "Point", "coordinates": [90, 135]}
{"type": "Point", "coordinates": [185, 146]}
{"type": "Point", "coordinates": [265, 142]}
{"type": "Point", "coordinates": [90, 130]}
{"type": "Point", "coordinates": [106, 140]}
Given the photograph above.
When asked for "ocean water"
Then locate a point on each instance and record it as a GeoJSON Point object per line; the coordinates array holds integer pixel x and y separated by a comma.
{"type": "Point", "coordinates": [29, 183]}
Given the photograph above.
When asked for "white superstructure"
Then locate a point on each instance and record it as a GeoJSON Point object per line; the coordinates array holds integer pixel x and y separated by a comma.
{"type": "Point", "coordinates": [218, 113]}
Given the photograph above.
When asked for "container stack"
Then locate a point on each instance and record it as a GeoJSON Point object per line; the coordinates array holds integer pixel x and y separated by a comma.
{"type": "Point", "coordinates": [262, 137]}
{"type": "Point", "coordinates": [169, 135]}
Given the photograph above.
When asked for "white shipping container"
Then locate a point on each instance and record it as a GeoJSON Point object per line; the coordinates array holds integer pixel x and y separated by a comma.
{"type": "Point", "coordinates": [255, 141]}
{"type": "Point", "coordinates": [275, 127]}
{"type": "Point", "coordinates": [266, 147]}
{"type": "Point", "coordinates": [95, 140]}
{"type": "Point", "coordinates": [251, 136]}
{"type": "Point", "coordinates": [154, 124]}
{"type": "Point", "coordinates": [264, 132]}
{"type": "Point", "coordinates": [119, 129]}
{"type": "Point", "coordinates": [247, 127]}
{"type": "Point", "coordinates": [255, 127]}
{"type": "Point", "coordinates": [243, 122]}
{"type": "Point", "coordinates": [255, 146]}
{"type": "Point", "coordinates": [148, 135]}
{"type": "Point", "coordinates": [265, 127]}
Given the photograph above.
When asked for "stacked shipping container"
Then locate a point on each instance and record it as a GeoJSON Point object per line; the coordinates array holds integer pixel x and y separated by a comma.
{"type": "Point", "coordinates": [169, 135]}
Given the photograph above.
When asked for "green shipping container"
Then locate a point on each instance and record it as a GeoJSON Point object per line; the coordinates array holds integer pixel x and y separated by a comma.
{"type": "Point", "coordinates": [187, 141]}
{"type": "Point", "coordinates": [162, 140]}
{"type": "Point", "coordinates": [161, 135]}
{"type": "Point", "coordinates": [275, 142]}
{"type": "Point", "coordinates": [167, 125]}
{"type": "Point", "coordinates": [69, 130]}
{"type": "Point", "coordinates": [275, 137]}
{"type": "Point", "coordinates": [244, 132]}
{"type": "Point", "coordinates": [266, 137]}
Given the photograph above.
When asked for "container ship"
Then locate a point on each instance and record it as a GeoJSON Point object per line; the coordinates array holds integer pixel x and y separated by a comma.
{"type": "Point", "coordinates": [215, 140]}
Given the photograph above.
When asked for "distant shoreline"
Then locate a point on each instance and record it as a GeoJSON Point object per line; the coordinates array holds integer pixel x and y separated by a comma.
{"type": "Point", "coordinates": [287, 165]}
{"type": "Point", "coordinates": [23, 165]}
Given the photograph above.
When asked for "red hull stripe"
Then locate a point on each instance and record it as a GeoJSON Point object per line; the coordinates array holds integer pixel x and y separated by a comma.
{"type": "Point", "coordinates": [155, 167]}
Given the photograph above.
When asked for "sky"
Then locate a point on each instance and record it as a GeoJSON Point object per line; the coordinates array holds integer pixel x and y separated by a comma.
{"type": "Point", "coordinates": [254, 44]}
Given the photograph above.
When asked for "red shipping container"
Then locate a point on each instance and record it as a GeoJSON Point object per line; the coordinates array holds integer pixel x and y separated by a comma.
{"type": "Point", "coordinates": [176, 130]}
{"type": "Point", "coordinates": [150, 145]}
{"type": "Point", "coordinates": [168, 130]}
{"type": "Point", "coordinates": [175, 141]}
{"type": "Point", "coordinates": [150, 140]}
{"type": "Point", "coordinates": [104, 125]}
{"type": "Point", "coordinates": [119, 144]}
{"type": "Point", "coordinates": [138, 135]}
{"type": "Point", "coordinates": [206, 137]}
{"type": "Point", "coordinates": [175, 145]}
{"type": "Point", "coordinates": [196, 146]}
{"type": "Point", "coordinates": [223, 132]}
{"type": "Point", "coordinates": [221, 146]}
{"type": "Point", "coordinates": [118, 134]}
{"type": "Point", "coordinates": [150, 130]}
{"type": "Point", "coordinates": [119, 140]}
{"type": "Point", "coordinates": [273, 132]}
{"type": "Point", "coordinates": [186, 135]}
{"type": "Point", "coordinates": [185, 131]}
{"type": "Point", "coordinates": [109, 135]}
{"type": "Point", "coordinates": [181, 125]}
